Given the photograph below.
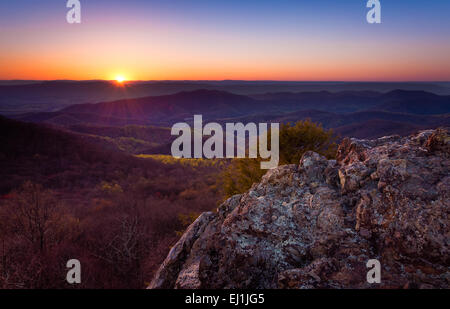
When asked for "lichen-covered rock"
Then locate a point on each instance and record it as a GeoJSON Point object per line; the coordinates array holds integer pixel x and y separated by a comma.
{"type": "Point", "coordinates": [174, 262]}
{"type": "Point", "coordinates": [317, 224]}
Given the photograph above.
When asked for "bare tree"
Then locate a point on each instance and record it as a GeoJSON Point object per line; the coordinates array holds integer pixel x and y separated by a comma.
{"type": "Point", "coordinates": [34, 215]}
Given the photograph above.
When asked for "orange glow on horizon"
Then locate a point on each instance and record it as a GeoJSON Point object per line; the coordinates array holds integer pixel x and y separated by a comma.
{"type": "Point", "coordinates": [20, 66]}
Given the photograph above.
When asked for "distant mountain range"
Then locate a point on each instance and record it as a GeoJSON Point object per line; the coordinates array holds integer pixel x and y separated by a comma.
{"type": "Point", "coordinates": [330, 109]}
{"type": "Point", "coordinates": [141, 125]}
{"type": "Point", "coordinates": [48, 96]}
{"type": "Point", "coordinates": [413, 102]}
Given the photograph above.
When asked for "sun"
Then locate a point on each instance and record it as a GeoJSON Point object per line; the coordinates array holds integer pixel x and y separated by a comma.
{"type": "Point", "coordinates": [120, 79]}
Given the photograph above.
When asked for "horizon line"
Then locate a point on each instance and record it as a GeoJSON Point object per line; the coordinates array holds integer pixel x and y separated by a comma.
{"type": "Point", "coordinates": [226, 80]}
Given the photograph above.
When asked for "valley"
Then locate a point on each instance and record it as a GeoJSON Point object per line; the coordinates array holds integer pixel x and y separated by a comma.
{"type": "Point", "coordinates": [120, 199]}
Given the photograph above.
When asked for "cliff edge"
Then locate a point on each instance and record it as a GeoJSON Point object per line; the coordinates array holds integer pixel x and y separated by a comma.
{"type": "Point", "coordinates": [316, 224]}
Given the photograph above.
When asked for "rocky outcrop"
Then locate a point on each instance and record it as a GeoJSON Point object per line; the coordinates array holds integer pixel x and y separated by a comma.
{"type": "Point", "coordinates": [316, 224]}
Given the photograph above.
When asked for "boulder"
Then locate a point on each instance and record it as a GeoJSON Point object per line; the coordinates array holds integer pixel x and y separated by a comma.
{"type": "Point", "coordinates": [317, 224]}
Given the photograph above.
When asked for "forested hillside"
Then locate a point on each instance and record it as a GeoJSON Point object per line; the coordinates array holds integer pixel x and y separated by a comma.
{"type": "Point", "coordinates": [62, 197]}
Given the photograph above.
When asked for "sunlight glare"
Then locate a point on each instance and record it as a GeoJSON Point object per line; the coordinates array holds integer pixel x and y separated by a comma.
{"type": "Point", "coordinates": [120, 79]}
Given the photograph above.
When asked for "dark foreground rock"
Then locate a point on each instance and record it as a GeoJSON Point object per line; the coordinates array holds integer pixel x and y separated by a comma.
{"type": "Point", "coordinates": [317, 224]}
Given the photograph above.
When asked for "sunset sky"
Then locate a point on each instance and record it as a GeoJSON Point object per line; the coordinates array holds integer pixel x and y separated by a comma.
{"type": "Point", "coordinates": [214, 40]}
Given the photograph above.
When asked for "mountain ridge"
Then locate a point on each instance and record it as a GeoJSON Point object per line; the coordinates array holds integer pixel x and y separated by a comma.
{"type": "Point", "coordinates": [342, 111]}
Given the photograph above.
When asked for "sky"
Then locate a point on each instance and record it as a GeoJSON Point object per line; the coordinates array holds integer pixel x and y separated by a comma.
{"type": "Point", "coordinates": [303, 40]}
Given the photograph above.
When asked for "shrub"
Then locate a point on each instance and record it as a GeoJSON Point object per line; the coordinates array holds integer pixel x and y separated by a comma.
{"type": "Point", "coordinates": [295, 140]}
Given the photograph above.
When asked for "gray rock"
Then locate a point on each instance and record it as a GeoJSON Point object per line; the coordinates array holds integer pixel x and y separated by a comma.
{"type": "Point", "coordinates": [317, 224]}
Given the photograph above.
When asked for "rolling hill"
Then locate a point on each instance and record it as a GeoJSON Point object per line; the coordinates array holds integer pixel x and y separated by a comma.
{"type": "Point", "coordinates": [18, 97]}
{"type": "Point", "coordinates": [58, 158]}
{"type": "Point", "coordinates": [347, 109]}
